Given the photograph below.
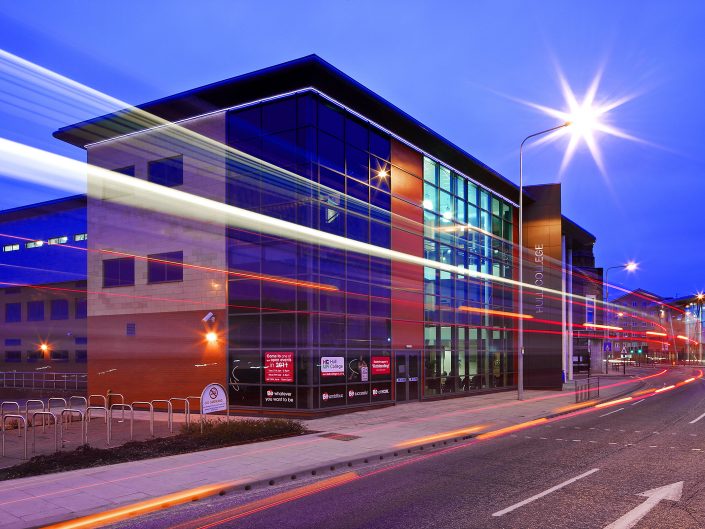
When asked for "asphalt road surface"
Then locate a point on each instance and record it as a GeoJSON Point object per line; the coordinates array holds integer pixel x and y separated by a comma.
{"type": "Point", "coordinates": [584, 471]}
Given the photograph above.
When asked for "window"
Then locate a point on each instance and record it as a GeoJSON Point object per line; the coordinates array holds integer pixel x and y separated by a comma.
{"type": "Point", "coordinates": [119, 272]}
{"type": "Point", "coordinates": [59, 240]}
{"type": "Point", "coordinates": [59, 309]}
{"type": "Point", "coordinates": [127, 171]}
{"type": "Point", "coordinates": [13, 356]}
{"type": "Point", "coordinates": [159, 271]}
{"type": "Point", "coordinates": [131, 329]}
{"type": "Point", "coordinates": [81, 356]}
{"type": "Point", "coordinates": [590, 307]}
{"type": "Point", "coordinates": [81, 340]}
{"type": "Point", "coordinates": [13, 312]}
{"type": "Point", "coordinates": [13, 341]}
{"type": "Point", "coordinates": [33, 356]}
{"type": "Point", "coordinates": [81, 309]}
{"type": "Point", "coordinates": [34, 244]}
{"type": "Point", "coordinates": [167, 172]}
{"type": "Point", "coordinates": [60, 356]}
{"type": "Point", "coordinates": [35, 311]}
{"type": "Point", "coordinates": [80, 237]}
{"type": "Point", "coordinates": [10, 247]}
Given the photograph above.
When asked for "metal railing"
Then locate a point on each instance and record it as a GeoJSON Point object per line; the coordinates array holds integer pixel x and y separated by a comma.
{"type": "Point", "coordinates": [43, 380]}
{"type": "Point", "coordinates": [587, 389]}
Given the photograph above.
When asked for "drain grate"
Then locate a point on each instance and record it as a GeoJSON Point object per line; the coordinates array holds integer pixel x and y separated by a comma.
{"type": "Point", "coordinates": [339, 436]}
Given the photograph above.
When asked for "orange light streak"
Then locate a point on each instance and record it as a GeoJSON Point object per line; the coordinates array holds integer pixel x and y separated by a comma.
{"type": "Point", "coordinates": [513, 428]}
{"type": "Point", "coordinates": [142, 507]}
{"type": "Point", "coordinates": [654, 333]}
{"type": "Point", "coordinates": [598, 326]}
{"type": "Point", "coordinates": [665, 389]}
{"type": "Point", "coordinates": [496, 312]}
{"type": "Point", "coordinates": [442, 436]}
{"type": "Point", "coordinates": [613, 402]}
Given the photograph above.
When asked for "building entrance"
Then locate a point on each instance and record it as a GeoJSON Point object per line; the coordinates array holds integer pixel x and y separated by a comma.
{"type": "Point", "coordinates": [407, 376]}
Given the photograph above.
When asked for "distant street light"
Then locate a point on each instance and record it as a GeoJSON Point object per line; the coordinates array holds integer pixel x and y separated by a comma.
{"type": "Point", "coordinates": [520, 374]}
{"type": "Point", "coordinates": [630, 266]}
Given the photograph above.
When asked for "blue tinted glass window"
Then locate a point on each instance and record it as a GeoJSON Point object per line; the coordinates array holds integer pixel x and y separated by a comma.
{"type": "Point", "coordinates": [13, 312]}
{"type": "Point", "coordinates": [357, 189]}
{"type": "Point", "coordinates": [279, 115]}
{"type": "Point", "coordinates": [244, 124]}
{"type": "Point", "coordinates": [59, 356]}
{"type": "Point", "coordinates": [356, 134]}
{"type": "Point", "coordinates": [119, 272]}
{"type": "Point", "coordinates": [331, 152]}
{"type": "Point", "coordinates": [59, 309]}
{"type": "Point", "coordinates": [81, 309]}
{"type": "Point", "coordinates": [330, 119]}
{"type": "Point", "coordinates": [167, 172]}
{"type": "Point", "coordinates": [332, 179]}
{"type": "Point", "coordinates": [81, 356]}
{"type": "Point", "coordinates": [127, 171]}
{"type": "Point", "coordinates": [13, 341]}
{"type": "Point", "coordinates": [13, 356]}
{"type": "Point", "coordinates": [380, 145]}
{"type": "Point", "coordinates": [307, 111]}
{"type": "Point", "coordinates": [35, 311]}
{"type": "Point", "coordinates": [357, 163]}
{"type": "Point", "coordinates": [81, 340]}
{"type": "Point", "coordinates": [160, 267]}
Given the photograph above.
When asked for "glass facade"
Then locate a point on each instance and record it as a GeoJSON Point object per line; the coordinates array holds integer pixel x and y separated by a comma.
{"type": "Point", "coordinates": [468, 342]}
{"type": "Point", "coordinates": [309, 326]}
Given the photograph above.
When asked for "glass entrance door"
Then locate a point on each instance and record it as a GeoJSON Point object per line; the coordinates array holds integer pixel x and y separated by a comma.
{"type": "Point", "coordinates": [407, 375]}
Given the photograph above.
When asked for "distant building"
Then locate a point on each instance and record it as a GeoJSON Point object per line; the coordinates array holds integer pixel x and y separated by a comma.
{"type": "Point", "coordinates": [43, 288]}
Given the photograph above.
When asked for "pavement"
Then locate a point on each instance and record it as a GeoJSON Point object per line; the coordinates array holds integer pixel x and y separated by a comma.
{"type": "Point", "coordinates": [41, 500]}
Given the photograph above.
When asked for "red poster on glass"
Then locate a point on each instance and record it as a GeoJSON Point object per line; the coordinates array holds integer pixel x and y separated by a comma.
{"type": "Point", "coordinates": [381, 365]}
{"type": "Point", "coordinates": [279, 367]}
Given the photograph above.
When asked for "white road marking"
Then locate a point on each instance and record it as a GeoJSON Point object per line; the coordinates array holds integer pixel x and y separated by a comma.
{"type": "Point", "coordinates": [696, 420]}
{"type": "Point", "coordinates": [544, 493]}
{"type": "Point", "coordinates": [610, 413]}
{"type": "Point", "coordinates": [670, 492]}
{"type": "Point", "coordinates": [638, 402]}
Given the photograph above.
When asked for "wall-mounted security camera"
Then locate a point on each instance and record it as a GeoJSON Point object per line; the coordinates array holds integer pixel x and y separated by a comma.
{"type": "Point", "coordinates": [209, 318]}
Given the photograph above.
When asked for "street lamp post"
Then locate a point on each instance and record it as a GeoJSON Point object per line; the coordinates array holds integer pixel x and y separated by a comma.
{"type": "Point", "coordinates": [629, 267]}
{"type": "Point", "coordinates": [699, 324]}
{"type": "Point", "coordinates": [520, 381]}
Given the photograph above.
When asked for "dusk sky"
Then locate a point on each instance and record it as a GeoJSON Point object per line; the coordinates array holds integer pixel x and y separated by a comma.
{"type": "Point", "coordinates": [459, 67]}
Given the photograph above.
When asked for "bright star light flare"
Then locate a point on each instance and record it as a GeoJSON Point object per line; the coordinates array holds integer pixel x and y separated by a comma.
{"type": "Point", "coordinates": [588, 118]}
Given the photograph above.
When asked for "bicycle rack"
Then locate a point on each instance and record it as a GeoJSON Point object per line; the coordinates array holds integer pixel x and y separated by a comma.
{"type": "Point", "coordinates": [169, 409]}
{"type": "Point", "coordinates": [34, 401]}
{"type": "Point", "coordinates": [56, 399]}
{"type": "Point", "coordinates": [89, 409]}
{"type": "Point", "coordinates": [105, 403]}
{"type": "Point", "coordinates": [151, 413]}
{"type": "Point", "coordinates": [56, 429]}
{"type": "Point", "coordinates": [110, 419]}
{"type": "Point", "coordinates": [2, 411]}
{"type": "Point", "coordinates": [187, 409]}
{"type": "Point", "coordinates": [71, 411]}
{"type": "Point", "coordinates": [122, 402]}
{"type": "Point", "coordinates": [24, 423]}
{"type": "Point", "coordinates": [70, 406]}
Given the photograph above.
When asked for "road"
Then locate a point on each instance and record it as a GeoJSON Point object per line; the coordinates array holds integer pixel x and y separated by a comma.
{"type": "Point", "coordinates": [582, 471]}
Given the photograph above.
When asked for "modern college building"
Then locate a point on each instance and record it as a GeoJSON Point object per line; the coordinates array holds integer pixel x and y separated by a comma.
{"type": "Point", "coordinates": [176, 302]}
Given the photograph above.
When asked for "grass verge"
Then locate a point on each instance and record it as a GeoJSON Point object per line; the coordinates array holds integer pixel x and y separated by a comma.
{"type": "Point", "coordinates": [216, 434]}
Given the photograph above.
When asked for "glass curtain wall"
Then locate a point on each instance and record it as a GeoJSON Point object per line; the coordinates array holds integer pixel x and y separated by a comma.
{"type": "Point", "coordinates": [468, 345]}
{"type": "Point", "coordinates": [309, 326]}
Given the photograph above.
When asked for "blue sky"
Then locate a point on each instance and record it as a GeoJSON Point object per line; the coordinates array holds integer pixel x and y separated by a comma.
{"type": "Point", "coordinates": [459, 67]}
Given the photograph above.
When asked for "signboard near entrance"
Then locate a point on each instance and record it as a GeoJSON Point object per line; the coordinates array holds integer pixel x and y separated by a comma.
{"type": "Point", "coordinates": [381, 365]}
{"type": "Point", "coordinates": [332, 366]}
{"type": "Point", "coordinates": [279, 367]}
{"type": "Point", "coordinates": [213, 399]}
